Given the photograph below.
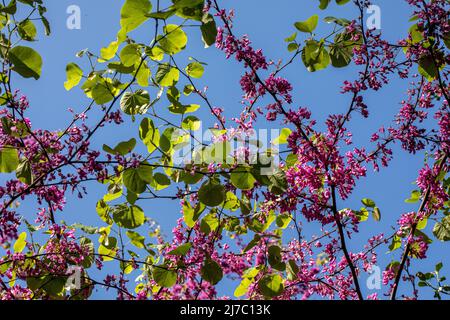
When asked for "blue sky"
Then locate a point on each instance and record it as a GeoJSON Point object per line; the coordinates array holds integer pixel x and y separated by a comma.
{"type": "Point", "coordinates": [267, 23]}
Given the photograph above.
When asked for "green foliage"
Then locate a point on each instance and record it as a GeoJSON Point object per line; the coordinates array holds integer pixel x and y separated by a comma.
{"type": "Point", "coordinates": [74, 76]}
{"type": "Point", "coordinates": [134, 13]}
{"type": "Point", "coordinates": [166, 75]}
{"type": "Point", "coordinates": [129, 217]}
{"type": "Point", "coordinates": [211, 271]}
{"type": "Point", "coordinates": [122, 148]}
{"type": "Point", "coordinates": [195, 70]}
{"type": "Point", "coordinates": [20, 243]}
{"type": "Point", "coordinates": [275, 259]}
{"type": "Point", "coordinates": [27, 30]}
{"type": "Point", "coordinates": [24, 172]}
{"type": "Point", "coordinates": [149, 134]}
{"type": "Point", "coordinates": [414, 198]}
{"type": "Point", "coordinates": [271, 285]}
{"type": "Point", "coordinates": [51, 284]}
{"type": "Point", "coordinates": [136, 239]}
{"type": "Point", "coordinates": [108, 248]}
{"type": "Point", "coordinates": [441, 229]}
{"type": "Point", "coordinates": [164, 277]}
{"type": "Point", "coordinates": [174, 39]}
{"type": "Point", "coordinates": [133, 103]}
{"type": "Point", "coordinates": [315, 56]}
{"type": "Point", "coordinates": [209, 30]}
{"type": "Point", "coordinates": [136, 179]}
{"type": "Point", "coordinates": [9, 159]}
{"type": "Point", "coordinates": [324, 3]}
{"type": "Point", "coordinates": [308, 25]}
{"type": "Point", "coordinates": [211, 193]}
{"type": "Point", "coordinates": [130, 55]}
{"type": "Point", "coordinates": [181, 250]}
{"type": "Point", "coordinates": [27, 62]}
{"type": "Point", "coordinates": [242, 178]}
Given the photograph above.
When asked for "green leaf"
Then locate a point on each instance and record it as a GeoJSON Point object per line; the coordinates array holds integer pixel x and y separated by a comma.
{"type": "Point", "coordinates": [242, 179]}
{"type": "Point", "coordinates": [308, 25]}
{"type": "Point", "coordinates": [247, 280]}
{"type": "Point", "coordinates": [209, 30]}
{"type": "Point", "coordinates": [211, 271]}
{"type": "Point", "coordinates": [275, 259]}
{"type": "Point", "coordinates": [108, 248]}
{"type": "Point", "coordinates": [324, 4]}
{"type": "Point", "coordinates": [74, 76]}
{"type": "Point", "coordinates": [142, 76]}
{"type": "Point", "coordinates": [441, 229]}
{"type": "Point", "coordinates": [422, 224]}
{"type": "Point", "coordinates": [133, 103]}
{"type": "Point", "coordinates": [211, 193]}
{"type": "Point", "coordinates": [27, 62]}
{"type": "Point", "coordinates": [362, 214]}
{"type": "Point", "coordinates": [283, 221]}
{"type": "Point", "coordinates": [195, 70]}
{"type": "Point", "coordinates": [167, 76]}
{"type": "Point", "coordinates": [341, 54]}
{"type": "Point", "coordinates": [395, 244]}
{"type": "Point", "coordinates": [190, 214]}
{"type": "Point", "coordinates": [368, 202]}
{"type": "Point", "coordinates": [136, 179]}
{"type": "Point", "coordinates": [376, 214]}
{"type": "Point", "coordinates": [162, 15]}
{"type": "Point", "coordinates": [109, 52]}
{"type": "Point", "coordinates": [414, 198]}
{"type": "Point", "coordinates": [271, 285]}
{"type": "Point", "coordinates": [101, 93]}
{"type": "Point", "coordinates": [52, 285]}
{"type": "Point", "coordinates": [136, 239]}
{"type": "Point", "coordinates": [283, 137]}
{"type": "Point", "coordinates": [315, 56]}
{"type": "Point", "coordinates": [191, 123]}
{"type": "Point", "coordinates": [20, 243]}
{"type": "Point", "coordinates": [178, 108]}
{"type": "Point", "coordinates": [103, 210]}
{"type": "Point", "coordinates": [122, 148]}
{"type": "Point", "coordinates": [149, 134]}
{"type": "Point", "coordinates": [428, 68]}
{"type": "Point", "coordinates": [254, 242]}
{"type": "Point", "coordinates": [416, 34]}
{"type": "Point", "coordinates": [88, 246]}
{"type": "Point", "coordinates": [174, 39]}
{"type": "Point", "coordinates": [24, 173]}
{"type": "Point", "coordinates": [209, 223]}
{"type": "Point", "coordinates": [278, 182]}
{"type": "Point", "coordinates": [134, 13]}
{"type": "Point", "coordinates": [292, 47]}
{"type": "Point", "coordinates": [160, 181]}
{"type": "Point", "coordinates": [339, 21]}
{"type": "Point", "coordinates": [128, 217]}
{"type": "Point", "coordinates": [27, 30]}
{"type": "Point", "coordinates": [130, 55]}
{"type": "Point", "coordinates": [292, 270]}
{"type": "Point", "coordinates": [181, 250]}
{"type": "Point", "coordinates": [231, 202]}
{"type": "Point", "coordinates": [164, 277]}
{"type": "Point", "coordinates": [120, 68]}
{"type": "Point", "coordinates": [291, 38]}
{"type": "Point", "coordinates": [446, 39]}
{"type": "Point", "coordinates": [11, 8]}
{"type": "Point", "coordinates": [9, 159]}
{"type": "Point", "coordinates": [187, 3]}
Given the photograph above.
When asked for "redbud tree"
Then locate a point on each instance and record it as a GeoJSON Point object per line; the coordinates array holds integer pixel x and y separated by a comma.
{"type": "Point", "coordinates": [242, 214]}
